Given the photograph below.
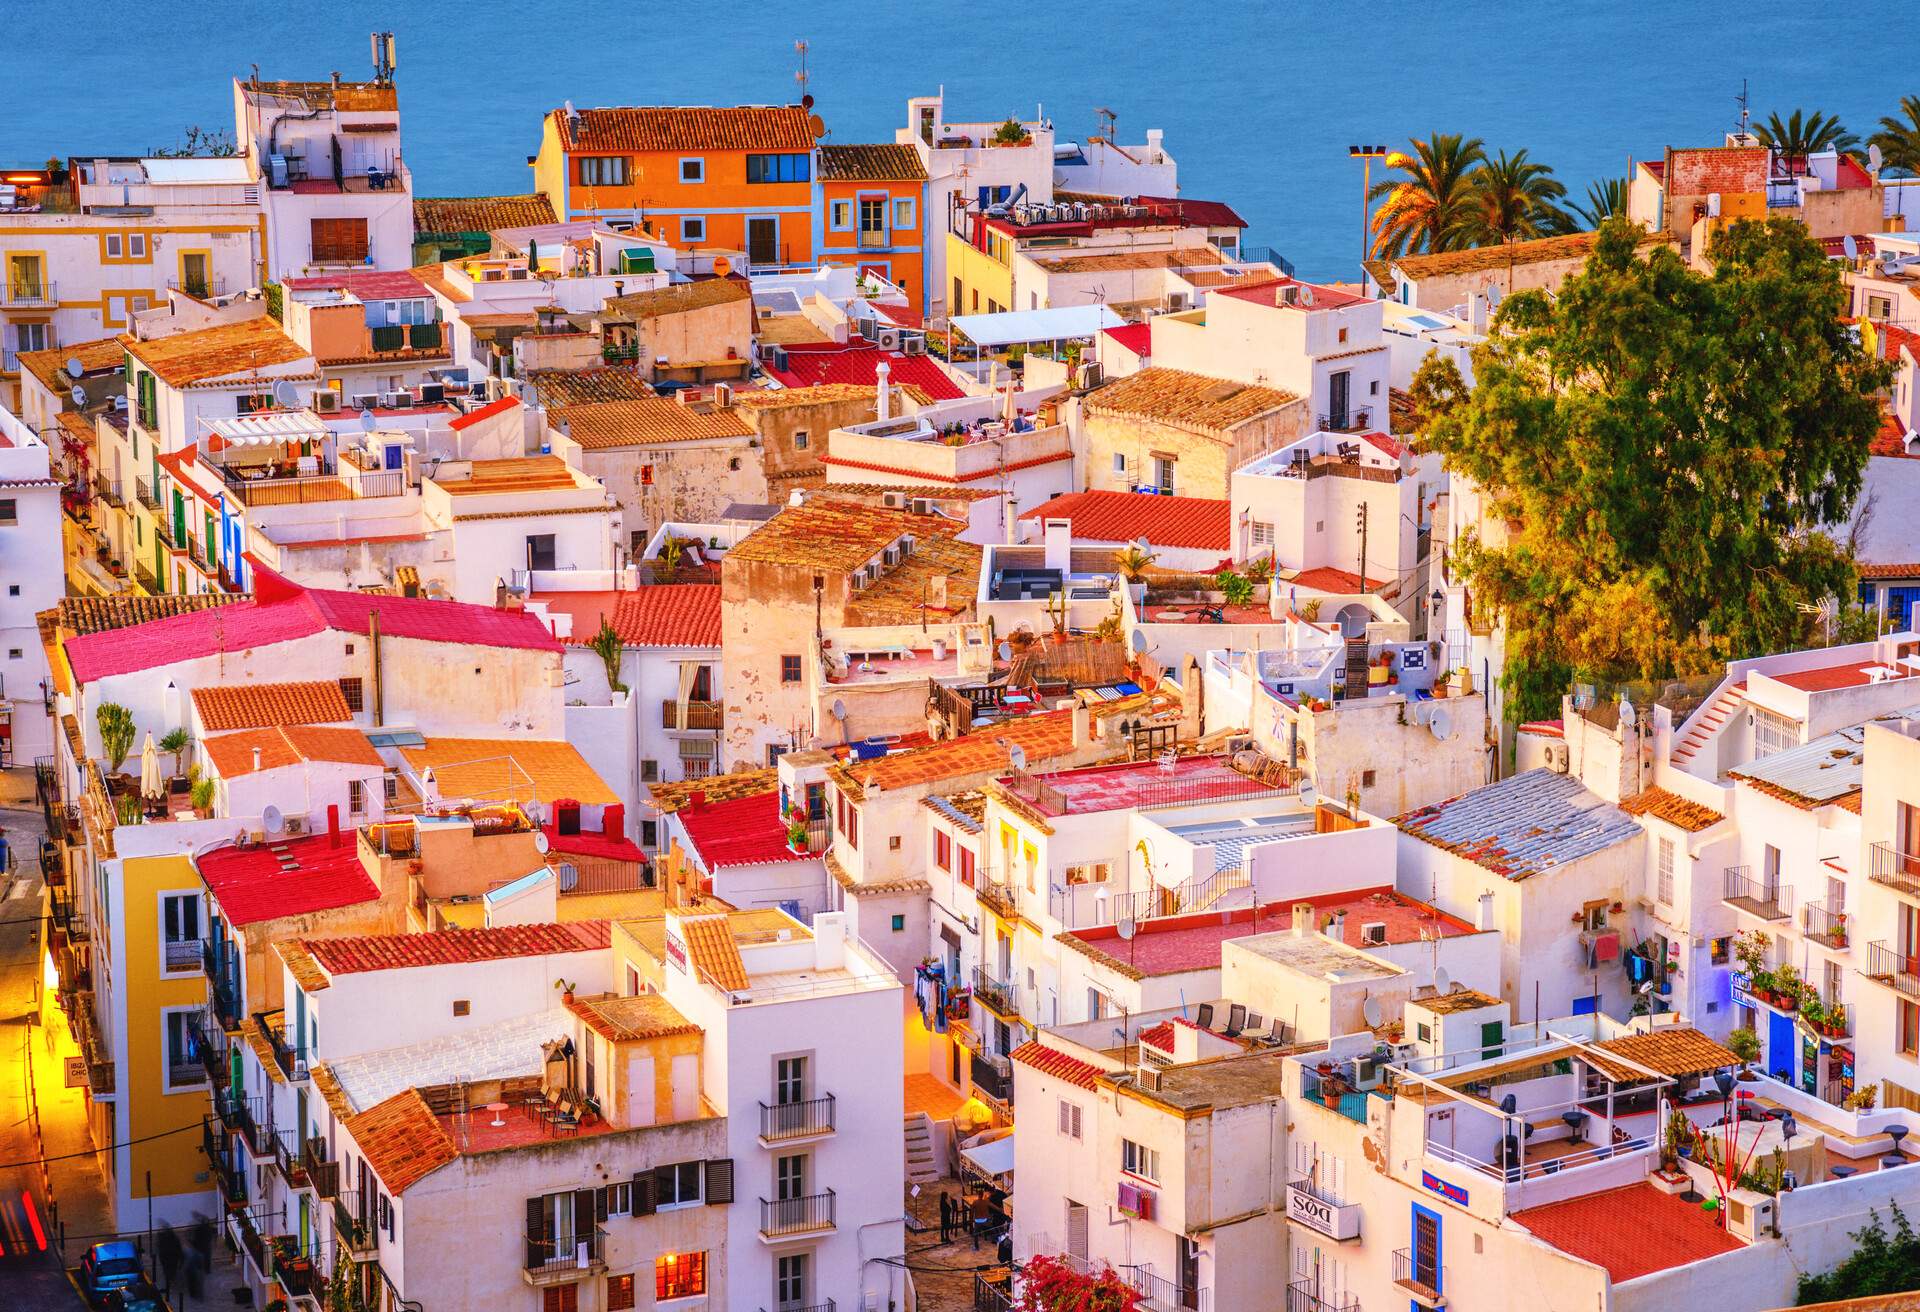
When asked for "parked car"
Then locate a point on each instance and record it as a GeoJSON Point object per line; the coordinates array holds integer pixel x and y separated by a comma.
{"type": "Point", "coordinates": [141, 1297]}
{"type": "Point", "coordinates": [109, 1266]}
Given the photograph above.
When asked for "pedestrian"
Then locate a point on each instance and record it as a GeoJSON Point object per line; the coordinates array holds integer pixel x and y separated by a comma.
{"type": "Point", "coordinates": [982, 1215]}
{"type": "Point", "coordinates": [946, 1216]}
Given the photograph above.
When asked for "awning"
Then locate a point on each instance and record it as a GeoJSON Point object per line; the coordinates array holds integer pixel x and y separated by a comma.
{"type": "Point", "coordinates": [1010, 326]}
{"type": "Point", "coordinates": [269, 429]}
{"type": "Point", "coordinates": [991, 1159]}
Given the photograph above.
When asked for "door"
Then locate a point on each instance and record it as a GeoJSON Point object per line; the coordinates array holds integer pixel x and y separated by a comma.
{"type": "Point", "coordinates": [540, 553]}
{"type": "Point", "coordinates": [1077, 1229]}
{"type": "Point", "coordinates": [1187, 1266]}
{"type": "Point", "coordinates": [1770, 874]}
{"type": "Point", "coordinates": [790, 1282]}
{"type": "Point", "coordinates": [1426, 1249]}
{"type": "Point", "coordinates": [395, 457]}
{"type": "Point", "coordinates": [1339, 391]}
{"type": "Point", "coordinates": [193, 274]}
{"type": "Point", "coordinates": [763, 240]}
{"type": "Point", "coordinates": [1780, 1044]}
{"type": "Point", "coordinates": [790, 1081]}
{"type": "Point", "coordinates": [23, 277]}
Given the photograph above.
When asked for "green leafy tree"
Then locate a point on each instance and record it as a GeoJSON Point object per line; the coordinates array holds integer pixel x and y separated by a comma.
{"type": "Point", "coordinates": [1659, 449]}
{"type": "Point", "coordinates": [1133, 561]}
{"type": "Point", "coordinates": [1899, 138]}
{"type": "Point", "coordinates": [1605, 199]}
{"type": "Point", "coordinates": [1429, 207]}
{"type": "Point", "coordinates": [1515, 199]}
{"type": "Point", "coordinates": [116, 733]}
{"type": "Point", "coordinates": [1234, 586]}
{"type": "Point", "coordinates": [1437, 389]}
{"type": "Point", "coordinates": [1802, 134]}
{"type": "Point", "coordinates": [1880, 1263]}
{"type": "Point", "coordinates": [1010, 133]}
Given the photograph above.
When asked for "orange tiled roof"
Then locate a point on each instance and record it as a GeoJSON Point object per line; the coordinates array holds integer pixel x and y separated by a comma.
{"type": "Point", "coordinates": [1631, 1231]}
{"type": "Point", "coordinates": [669, 615]}
{"type": "Point", "coordinates": [82, 615]}
{"type": "Point", "coordinates": [519, 770]}
{"type": "Point", "coordinates": [888, 162]}
{"type": "Point", "coordinates": [232, 754]}
{"type": "Point", "coordinates": [1675, 1053]}
{"type": "Point", "coordinates": [668, 798]}
{"type": "Point", "coordinates": [565, 387]}
{"type": "Point", "coordinates": [640, 1016]}
{"type": "Point", "coordinates": [512, 474]}
{"type": "Point", "coordinates": [49, 365]}
{"type": "Point", "coordinates": [402, 1140]}
{"type": "Point", "coordinates": [434, 278]}
{"type": "Point", "coordinates": [715, 955]}
{"type": "Point", "coordinates": [352, 955]}
{"type": "Point", "coordinates": [1673, 808]}
{"type": "Point", "coordinates": [645, 421]}
{"type": "Point", "coordinates": [1725, 170]}
{"type": "Point", "coordinates": [1186, 400]}
{"type": "Point", "coordinates": [479, 213]}
{"type": "Point", "coordinates": [1042, 737]}
{"type": "Point", "coordinates": [254, 705]}
{"type": "Point", "coordinates": [351, 97]}
{"type": "Point", "coordinates": [1197, 522]}
{"type": "Point", "coordinates": [829, 533]}
{"type": "Point", "coordinates": [821, 394]}
{"type": "Point", "coordinates": [678, 298]}
{"type": "Point", "coordinates": [1055, 1063]}
{"type": "Point", "coordinates": [1441, 264]}
{"type": "Point", "coordinates": [204, 353]}
{"type": "Point", "coordinates": [1180, 257]}
{"type": "Point", "coordinates": [688, 128]}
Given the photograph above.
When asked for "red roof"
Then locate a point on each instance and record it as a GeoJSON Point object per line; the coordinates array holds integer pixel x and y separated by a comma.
{"type": "Point", "coordinates": [448, 947]}
{"type": "Point", "coordinates": [1850, 176]}
{"type": "Point", "coordinates": [1631, 1232]}
{"type": "Point", "coordinates": [1891, 440]}
{"type": "Point", "coordinates": [608, 847]}
{"type": "Point", "coordinates": [1198, 522]}
{"type": "Point", "coordinates": [1896, 339]}
{"type": "Point", "coordinates": [1269, 293]}
{"type": "Point", "coordinates": [1053, 1062]}
{"type": "Point", "coordinates": [282, 611]}
{"type": "Point", "coordinates": [1199, 213]}
{"type": "Point", "coordinates": [487, 411]}
{"type": "Point", "coordinates": [860, 365]}
{"type": "Point", "coordinates": [1136, 337]}
{"type": "Point", "coordinates": [1392, 448]}
{"type": "Point", "coordinates": [669, 615]}
{"type": "Point", "coordinates": [252, 884]}
{"type": "Point", "coordinates": [904, 315]}
{"type": "Point", "coordinates": [1326, 578]}
{"type": "Point", "coordinates": [918, 476]}
{"type": "Point", "coordinates": [1159, 1036]}
{"type": "Point", "coordinates": [745, 831]}
{"type": "Point", "coordinates": [367, 284]}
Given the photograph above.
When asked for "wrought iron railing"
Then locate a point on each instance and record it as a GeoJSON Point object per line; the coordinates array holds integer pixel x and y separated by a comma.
{"type": "Point", "coordinates": [564, 1256]}
{"type": "Point", "coordinates": [1899, 971]}
{"type": "Point", "coordinates": [797, 1216]}
{"type": "Point", "coordinates": [797, 1120]}
{"type": "Point", "coordinates": [1892, 868]}
{"type": "Point", "coordinates": [699, 715]}
{"type": "Point", "coordinates": [997, 995]}
{"type": "Point", "coordinates": [1769, 901]}
{"type": "Point", "coordinates": [1824, 926]}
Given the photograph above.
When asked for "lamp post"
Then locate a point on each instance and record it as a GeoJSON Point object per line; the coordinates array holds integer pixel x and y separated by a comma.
{"type": "Point", "coordinates": [1366, 155]}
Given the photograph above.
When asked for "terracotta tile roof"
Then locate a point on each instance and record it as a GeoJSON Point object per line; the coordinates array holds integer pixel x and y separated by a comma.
{"type": "Point", "coordinates": [1190, 401]}
{"type": "Point", "coordinates": [1381, 271]}
{"type": "Point", "coordinates": [647, 421]}
{"type": "Point", "coordinates": [81, 615]}
{"type": "Point", "coordinates": [669, 798]}
{"type": "Point", "coordinates": [1159, 1036]}
{"type": "Point", "coordinates": [50, 365]}
{"type": "Point", "coordinates": [562, 387]}
{"type": "Point", "coordinates": [1042, 737]}
{"type": "Point", "coordinates": [1442, 264]}
{"type": "Point", "coordinates": [714, 954]}
{"type": "Point", "coordinates": [1674, 1053]}
{"type": "Point", "coordinates": [1632, 1231]}
{"type": "Point", "coordinates": [820, 394]}
{"type": "Point", "coordinates": [305, 970]}
{"type": "Point", "coordinates": [1727, 170]}
{"type": "Point", "coordinates": [787, 330]}
{"type": "Point", "coordinates": [745, 831]}
{"type": "Point", "coordinates": [1056, 1064]}
{"type": "Point", "coordinates": [483, 413]}
{"type": "Point", "coordinates": [434, 277]}
{"type": "Point", "coordinates": [981, 475]}
{"type": "Point", "coordinates": [668, 615]}
{"type": "Point", "coordinates": [889, 162]}
{"type": "Point", "coordinates": [350, 97]}
{"type": "Point", "coordinates": [965, 810]}
{"type": "Point", "coordinates": [279, 746]}
{"type": "Point", "coordinates": [1180, 257]}
{"type": "Point", "coordinates": [328, 1087]}
{"type": "Point", "coordinates": [861, 364]}
{"type": "Point", "coordinates": [678, 298]}
{"type": "Point", "coordinates": [522, 770]}
{"type": "Point", "coordinates": [1198, 522]}
{"type": "Point", "coordinates": [899, 596]}
{"type": "Point", "coordinates": [402, 1140]}
{"type": "Point", "coordinates": [1340, 582]}
{"type": "Point", "coordinates": [1850, 802]}
{"type": "Point", "coordinates": [451, 947]}
{"type": "Point", "coordinates": [79, 427]}
{"type": "Point", "coordinates": [1309, 296]}
{"type": "Point", "coordinates": [286, 877]}
{"type": "Point", "coordinates": [254, 705]}
{"type": "Point", "coordinates": [640, 1016]}
{"type": "Point", "coordinates": [1890, 439]}
{"type": "Point", "coordinates": [1673, 808]}
{"type": "Point", "coordinates": [204, 353]}
{"type": "Point", "coordinates": [451, 214]}
{"type": "Point", "coordinates": [829, 533]}
{"type": "Point", "coordinates": [686, 128]}
{"type": "Point", "coordinates": [512, 474]}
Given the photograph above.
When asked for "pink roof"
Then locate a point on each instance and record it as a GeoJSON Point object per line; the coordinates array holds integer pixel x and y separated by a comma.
{"type": "Point", "coordinates": [860, 365]}
{"type": "Point", "coordinates": [447, 947]}
{"type": "Point", "coordinates": [487, 411]}
{"type": "Point", "coordinates": [1173, 945]}
{"type": "Point", "coordinates": [367, 284]}
{"type": "Point", "coordinates": [1144, 783]}
{"type": "Point", "coordinates": [1136, 337]}
{"type": "Point", "coordinates": [282, 611]}
{"type": "Point", "coordinates": [1392, 448]}
{"type": "Point", "coordinates": [251, 884]}
{"type": "Point", "coordinates": [1197, 522]}
{"type": "Point", "coordinates": [608, 847]}
{"type": "Point", "coordinates": [1268, 293]}
{"type": "Point", "coordinates": [745, 831]}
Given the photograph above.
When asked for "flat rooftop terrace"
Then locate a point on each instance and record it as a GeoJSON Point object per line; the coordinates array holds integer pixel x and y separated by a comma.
{"type": "Point", "coordinates": [1137, 784]}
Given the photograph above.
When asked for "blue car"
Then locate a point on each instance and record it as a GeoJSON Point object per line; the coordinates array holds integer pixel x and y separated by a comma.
{"type": "Point", "coordinates": [142, 1297]}
{"type": "Point", "coordinates": [109, 1266]}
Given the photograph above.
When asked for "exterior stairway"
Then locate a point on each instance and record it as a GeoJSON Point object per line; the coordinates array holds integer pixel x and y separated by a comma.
{"type": "Point", "coordinates": [921, 1167]}
{"type": "Point", "coordinates": [1707, 725]}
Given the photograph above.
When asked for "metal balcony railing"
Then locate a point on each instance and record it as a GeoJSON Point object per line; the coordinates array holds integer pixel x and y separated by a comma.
{"type": "Point", "coordinates": [32, 292]}
{"type": "Point", "coordinates": [287, 1155]}
{"type": "Point", "coordinates": [698, 715]}
{"type": "Point", "coordinates": [1423, 1279]}
{"type": "Point", "coordinates": [200, 287]}
{"type": "Point", "coordinates": [108, 490]}
{"type": "Point", "coordinates": [308, 489]}
{"type": "Point", "coordinates": [322, 1171]}
{"type": "Point", "coordinates": [996, 995]}
{"type": "Point", "coordinates": [289, 1057]}
{"type": "Point", "coordinates": [998, 894]}
{"type": "Point", "coordinates": [1354, 419]}
{"type": "Point", "coordinates": [353, 1223]}
{"type": "Point", "coordinates": [217, 1143]}
{"type": "Point", "coordinates": [1892, 868]}
{"type": "Point", "coordinates": [182, 953]}
{"type": "Point", "coordinates": [874, 239]}
{"type": "Point", "coordinates": [1757, 897]}
{"type": "Point", "coordinates": [223, 993]}
{"type": "Point", "coordinates": [827, 1306]}
{"type": "Point", "coordinates": [1899, 971]}
{"type": "Point", "coordinates": [1305, 1296]}
{"type": "Point", "coordinates": [797, 1120]}
{"type": "Point", "coordinates": [1163, 1295]}
{"type": "Point", "coordinates": [143, 491]}
{"type": "Point", "coordinates": [807, 1214]}
{"type": "Point", "coordinates": [1824, 926]}
{"type": "Point", "coordinates": [562, 1259]}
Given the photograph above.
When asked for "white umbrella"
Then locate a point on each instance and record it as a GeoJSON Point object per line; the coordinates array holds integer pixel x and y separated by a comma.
{"type": "Point", "coordinates": [150, 781]}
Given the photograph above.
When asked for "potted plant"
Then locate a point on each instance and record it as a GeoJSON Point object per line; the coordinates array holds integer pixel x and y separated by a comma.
{"type": "Point", "coordinates": [202, 798]}
{"type": "Point", "coordinates": [1836, 1021]}
{"type": "Point", "coordinates": [797, 835]}
{"type": "Point", "coordinates": [1677, 1142]}
{"type": "Point", "coordinates": [1814, 1012]}
{"type": "Point", "coordinates": [1837, 933]}
{"type": "Point", "coordinates": [116, 734]}
{"type": "Point", "coordinates": [1787, 987]}
{"type": "Point", "coordinates": [1862, 1099]}
{"type": "Point", "coordinates": [175, 744]}
{"type": "Point", "coordinates": [1745, 1045]}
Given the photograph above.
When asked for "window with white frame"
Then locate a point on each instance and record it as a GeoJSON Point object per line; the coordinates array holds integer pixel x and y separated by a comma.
{"type": "Point", "coordinates": [180, 1050]}
{"type": "Point", "coordinates": [1140, 1160]}
{"type": "Point", "coordinates": [1093, 872]}
{"type": "Point", "coordinates": [676, 1185]}
{"type": "Point", "coordinates": [116, 250]}
{"type": "Point", "coordinates": [1773, 733]}
{"type": "Point", "coordinates": [180, 933]}
{"type": "Point", "coordinates": [693, 170]}
{"type": "Point", "coordinates": [605, 171]}
{"type": "Point", "coordinates": [1260, 533]}
{"type": "Point", "coordinates": [693, 229]}
{"type": "Point", "coordinates": [1069, 1119]}
{"type": "Point", "coordinates": [356, 797]}
{"type": "Point", "coordinates": [1664, 862]}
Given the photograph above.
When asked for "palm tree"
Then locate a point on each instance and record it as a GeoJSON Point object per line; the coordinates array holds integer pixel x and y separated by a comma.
{"type": "Point", "coordinates": [1514, 199]}
{"type": "Point", "coordinates": [1427, 210]}
{"type": "Point", "coordinates": [1605, 199]}
{"type": "Point", "coordinates": [1133, 561]}
{"type": "Point", "coordinates": [1805, 134]}
{"type": "Point", "coordinates": [1899, 139]}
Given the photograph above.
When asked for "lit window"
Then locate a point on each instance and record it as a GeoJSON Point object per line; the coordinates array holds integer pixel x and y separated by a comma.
{"type": "Point", "coordinates": [679, 1275]}
{"type": "Point", "coordinates": [619, 1293]}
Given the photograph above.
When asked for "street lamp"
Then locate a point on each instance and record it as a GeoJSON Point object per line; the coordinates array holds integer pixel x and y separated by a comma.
{"type": "Point", "coordinates": [1366, 155]}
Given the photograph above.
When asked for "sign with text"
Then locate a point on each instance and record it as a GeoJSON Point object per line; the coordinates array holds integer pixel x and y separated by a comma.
{"type": "Point", "coordinates": [1453, 1193]}
{"type": "Point", "coordinates": [1333, 1220]}
{"type": "Point", "coordinates": [76, 1072]}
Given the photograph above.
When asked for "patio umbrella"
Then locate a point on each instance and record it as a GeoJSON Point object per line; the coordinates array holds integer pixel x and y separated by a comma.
{"type": "Point", "coordinates": [533, 257]}
{"type": "Point", "coordinates": [151, 784]}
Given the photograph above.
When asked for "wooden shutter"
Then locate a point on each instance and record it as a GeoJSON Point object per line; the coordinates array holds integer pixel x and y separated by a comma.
{"type": "Point", "coordinates": [600, 1203]}
{"type": "Point", "coordinates": [536, 1233]}
{"type": "Point", "coordinates": [583, 1213]}
{"type": "Point", "coordinates": [338, 240]}
{"type": "Point", "coordinates": [643, 1193]}
{"type": "Point", "coordinates": [720, 1180]}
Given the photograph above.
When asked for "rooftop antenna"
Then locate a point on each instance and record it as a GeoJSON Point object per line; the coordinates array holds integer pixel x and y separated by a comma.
{"type": "Point", "coordinates": [1745, 113]}
{"type": "Point", "coordinates": [800, 48]}
{"type": "Point", "coordinates": [1108, 118]}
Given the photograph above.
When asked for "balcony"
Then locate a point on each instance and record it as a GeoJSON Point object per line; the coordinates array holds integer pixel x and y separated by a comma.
{"type": "Point", "coordinates": [323, 1173]}
{"type": "Point", "coordinates": [1304, 1296]}
{"type": "Point", "coordinates": [217, 1143]}
{"type": "Point", "coordinates": [32, 293]}
{"type": "Point", "coordinates": [1894, 869]}
{"type": "Point", "coordinates": [782, 1122]}
{"type": "Point", "coordinates": [182, 954]}
{"type": "Point", "coordinates": [222, 994]}
{"type": "Point", "coordinates": [1159, 1294]}
{"type": "Point", "coordinates": [996, 995]}
{"type": "Point", "coordinates": [1769, 901]}
{"type": "Point", "coordinates": [998, 896]}
{"type": "Point", "coordinates": [203, 288]}
{"type": "Point", "coordinates": [810, 1214]}
{"type": "Point", "coordinates": [698, 715]}
{"type": "Point", "coordinates": [1899, 971]}
{"type": "Point", "coordinates": [289, 1057]}
{"type": "Point", "coordinates": [293, 1268]}
{"type": "Point", "coordinates": [290, 1160]}
{"type": "Point", "coordinates": [108, 490]}
{"type": "Point", "coordinates": [242, 1115]}
{"type": "Point", "coordinates": [1352, 420]}
{"type": "Point", "coordinates": [143, 492]}
{"type": "Point", "coordinates": [1827, 928]}
{"type": "Point", "coordinates": [827, 1306]}
{"type": "Point", "coordinates": [353, 1225]}
{"type": "Point", "coordinates": [1335, 1094]}
{"type": "Point", "coordinates": [874, 239]}
{"type": "Point", "coordinates": [561, 1261]}
{"type": "Point", "coordinates": [1315, 1208]}
{"type": "Point", "coordinates": [144, 576]}
{"type": "Point", "coordinates": [993, 1077]}
{"type": "Point", "coordinates": [1422, 1279]}
{"type": "Point", "coordinates": [210, 1042]}
{"type": "Point", "coordinates": [311, 489]}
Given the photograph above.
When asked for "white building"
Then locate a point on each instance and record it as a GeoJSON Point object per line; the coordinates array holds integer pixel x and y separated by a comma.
{"type": "Point", "coordinates": [32, 570]}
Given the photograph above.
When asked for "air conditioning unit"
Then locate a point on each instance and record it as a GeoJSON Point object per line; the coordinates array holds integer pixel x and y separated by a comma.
{"type": "Point", "coordinates": [299, 1069]}
{"type": "Point", "coordinates": [326, 401]}
{"type": "Point", "coordinates": [1177, 300]}
{"type": "Point", "coordinates": [891, 556]}
{"type": "Point", "coordinates": [1092, 374]}
{"type": "Point", "coordinates": [887, 339]}
{"type": "Point", "coordinates": [296, 824]}
{"type": "Point", "coordinates": [1373, 934]}
{"type": "Point", "coordinates": [780, 358]}
{"type": "Point", "coordinates": [921, 506]}
{"type": "Point", "coordinates": [893, 500]}
{"type": "Point", "coordinates": [913, 343]}
{"type": "Point", "coordinates": [858, 579]}
{"type": "Point", "coordinates": [867, 327]}
{"type": "Point", "coordinates": [399, 400]}
{"type": "Point", "coordinates": [432, 393]}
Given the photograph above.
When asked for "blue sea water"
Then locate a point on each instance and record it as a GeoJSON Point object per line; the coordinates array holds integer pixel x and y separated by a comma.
{"type": "Point", "coordinates": [1259, 101]}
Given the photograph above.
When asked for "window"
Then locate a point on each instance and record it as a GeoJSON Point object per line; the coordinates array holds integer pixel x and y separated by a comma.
{"type": "Point", "coordinates": [789, 669]}
{"type": "Point", "coordinates": [840, 215]}
{"type": "Point", "coordinates": [790, 1280]}
{"type": "Point", "coordinates": [182, 1050]}
{"type": "Point", "coordinates": [136, 245]}
{"type": "Point", "coordinates": [1119, 463]}
{"type": "Point", "coordinates": [605, 171]}
{"type": "Point", "coordinates": [1343, 336]}
{"type": "Point", "coordinates": [693, 170]}
{"type": "Point", "coordinates": [179, 933]}
{"type": "Point", "coordinates": [676, 1185]}
{"type": "Point", "coordinates": [1137, 1159]}
{"type": "Point", "coordinates": [790, 1081]}
{"type": "Point", "coordinates": [463, 1006]}
{"type": "Point", "coordinates": [560, 1298]}
{"type": "Point", "coordinates": [966, 866]}
{"type": "Point", "coordinates": [779, 168]}
{"type": "Point", "coordinates": [816, 801]}
{"type": "Point", "coordinates": [619, 1293]}
{"type": "Point", "coordinates": [350, 689]}
{"type": "Point", "coordinates": [693, 229]}
{"type": "Point", "coordinates": [1879, 307]}
{"type": "Point", "coordinates": [955, 302]}
{"type": "Point", "coordinates": [1069, 1119]}
{"type": "Point", "coordinates": [790, 1176]}
{"type": "Point", "coordinates": [774, 752]}
{"type": "Point", "coordinates": [903, 213]}
{"type": "Point", "coordinates": [32, 336]}
{"type": "Point", "coordinates": [1094, 872]}
{"type": "Point", "coordinates": [899, 924]}
{"type": "Point", "coordinates": [619, 1197]}
{"type": "Point", "coordinates": [1163, 473]}
{"type": "Point", "coordinates": [893, 843]}
{"type": "Point", "coordinates": [1908, 1036]}
{"type": "Point", "coordinates": [10, 514]}
{"type": "Point", "coordinates": [540, 552]}
{"type": "Point", "coordinates": [942, 850]}
{"type": "Point", "coordinates": [1664, 859]}
{"type": "Point", "coordinates": [356, 797]}
{"type": "Point", "coordinates": [390, 786]}
{"type": "Point", "coordinates": [649, 833]}
{"type": "Point", "coordinates": [15, 653]}
{"type": "Point", "coordinates": [1260, 533]}
{"type": "Point", "coordinates": [1593, 916]}
{"type": "Point", "coordinates": [338, 241]}
{"type": "Point", "coordinates": [1722, 950]}
{"type": "Point", "coordinates": [679, 1275]}
{"type": "Point", "coordinates": [800, 439]}
{"type": "Point", "coordinates": [116, 251]}
{"type": "Point", "coordinates": [1773, 733]}
{"type": "Point", "coordinates": [873, 216]}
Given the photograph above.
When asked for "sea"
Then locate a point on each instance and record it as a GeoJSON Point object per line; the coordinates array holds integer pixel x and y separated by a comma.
{"type": "Point", "coordinates": [1259, 102]}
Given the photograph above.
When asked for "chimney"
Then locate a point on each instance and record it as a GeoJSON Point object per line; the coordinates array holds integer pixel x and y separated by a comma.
{"type": "Point", "coordinates": [1059, 543]}
{"type": "Point", "coordinates": [830, 940]}
{"type": "Point", "coordinates": [1302, 919]}
{"type": "Point", "coordinates": [256, 760]}
{"type": "Point", "coordinates": [696, 799]}
{"type": "Point", "coordinates": [937, 592]}
{"type": "Point", "coordinates": [1155, 136]}
{"type": "Point", "coordinates": [333, 824]}
{"type": "Point", "coordinates": [1483, 914]}
{"type": "Point", "coordinates": [882, 401]}
{"type": "Point", "coordinates": [613, 819]}
{"type": "Point", "coordinates": [1082, 725]}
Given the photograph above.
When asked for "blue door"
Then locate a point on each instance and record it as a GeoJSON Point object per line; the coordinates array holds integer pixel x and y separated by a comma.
{"type": "Point", "coordinates": [394, 458]}
{"type": "Point", "coordinates": [1781, 1045]}
{"type": "Point", "coordinates": [1900, 605]}
{"type": "Point", "coordinates": [1586, 1006]}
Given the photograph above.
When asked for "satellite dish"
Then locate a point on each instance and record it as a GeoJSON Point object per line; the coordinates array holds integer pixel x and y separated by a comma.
{"type": "Point", "coordinates": [1627, 715]}
{"type": "Point", "coordinates": [1442, 982]}
{"type": "Point", "coordinates": [1493, 296]}
{"type": "Point", "coordinates": [806, 101]}
{"type": "Point", "coordinates": [74, 367]}
{"type": "Point", "coordinates": [1370, 1009]}
{"type": "Point", "coordinates": [541, 842]}
{"type": "Point", "coordinates": [1006, 651]}
{"type": "Point", "coordinates": [271, 820]}
{"type": "Point", "coordinates": [367, 421]}
{"type": "Point", "coordinates": [286, 394]}
{"type": "Point", "coordinates": [1874, 158]}
{"type": "Point", "coordinates": [1305, 793]}
{"type": "Point", "coordinates": [1441, 725]}
{"type": "Point", "coordinates": [78, 396]}
{"type": "Point", "coordinates": [722, 266]}
{"type": "Point", "coordinates": [817, 126]}
{"type": "Point", "coordinates": [1125, 929]}
{"type": "Point", "coordinates": [1138, 640]}
{"type": "Point", "coordinates": [1017, 757]}
{"type": "Point", "coordinates": [1850, 247]}
{"type": "Point", "coordinates": [838, 710]}
{"type": "Point", "coordinates": [567, 875]}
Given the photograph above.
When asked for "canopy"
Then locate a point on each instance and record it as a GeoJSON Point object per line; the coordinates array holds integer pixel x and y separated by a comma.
{"type": "Point", "coordinates": [991, 1159]}
{"type": "Point", "coordinates": [1010, 326]}
{"type": "Point", "coordinates": [268, 429]}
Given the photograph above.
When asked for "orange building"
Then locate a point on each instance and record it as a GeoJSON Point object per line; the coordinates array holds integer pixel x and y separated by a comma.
{"type": "Point", "coordinates": [871, 208]}
{"type": "Point", "coordinates": [736, 179]}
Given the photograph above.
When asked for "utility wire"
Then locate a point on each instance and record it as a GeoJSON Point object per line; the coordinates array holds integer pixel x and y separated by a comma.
{"type": "Point", "coordinates": [91, 1152]}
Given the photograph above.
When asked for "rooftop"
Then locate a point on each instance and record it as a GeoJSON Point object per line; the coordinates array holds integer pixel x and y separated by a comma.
{"type": "Point", "coordinates": [669, 798]}
{"type": "Point", "coordinates": [366, 284]}
{"type": "Point", "coordinates": [452, 214]}
{"type": "Point", "coordinates": [347, 97]}
{"type": "Point", "coordinates": [96, 356]}
{"type": "Point", "coordinates": [1831, 678]}
{"type": "Point", "coordinates": [1187, 400]}
{"type": "Point", "coordinates": [888, 162]}
{"type": "Point", "coordinates": [1523, 825]}
{"type": "Point", "coordinates": [523, 770]}
{"type": "Point", "coordinates": [1725, 170]}
{"type": "Point", "coordinates": [1179, 257]}
{"type": "Point", "coordinates": [448, 947]}
{"type": "Point", "coordinates": [1444, 264]}
{"type": "Point", "coordinates": [810, 367]}
{"type": "Point", "coordinates": [273, 747]}
{"type": "Point", "coordinates": [202, 354]}
{"type": "Point", "coordinates": [691, 128]}
{"type": "Point", "coordinates": [508, 475]}
{"type": "Point", "coordinates": [491, 1052]}
{"type": "Point", "coordinates": [826, 532]}
{"type": "Point", "coordinates": [1200, 523]}
{"type": "Point", "coordinates": [81, 615]}
{"type": "Point", "coordinates": [669, 615]}
{"type": "Point", "coordinates": [286, 877]}
{"type": "Point", "coordinates": [1304, 295]}
{"type": "Point", "coordinates": [1188, 780]}
{"type": "Point", "coordinates": [223, 707]}
{"type": "Point", "coordinates": [1633, 1231]}
{"type": "Point", "coordinates": [743, 831]}
{"type": "Point", "coordinates": [1054, 1062]}
{"type": "Point", "coordinates": [1135, 337]}
{"type": "Point", "coordinates": [646, 421]}
{"type": "Point", "coordinates": [1456, 1001]}
{"type": "Point", "coordinates": [1673, 808]}
{"type": "Point", "coordinates": [564, 387]}
{"type": "Point", "coordinates": [1831, 767]}
{"type": "Point", "coordinates": [678, 298]}
{"type": "Point", "coordinates": [1041, 737]}
{"type": "Point", "coordinates": [641, 1016]}
{"type": "Point", "coordinates": [1675, 1053]}
{"type": "Point", "coordinates": [1197, 1088]}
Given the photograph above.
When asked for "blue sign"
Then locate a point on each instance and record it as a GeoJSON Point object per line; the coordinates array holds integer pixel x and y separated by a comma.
{"type": "Point", "coordinates": [1742, 982]}
{"type": "Point", "coordinates": [1453, 1193]}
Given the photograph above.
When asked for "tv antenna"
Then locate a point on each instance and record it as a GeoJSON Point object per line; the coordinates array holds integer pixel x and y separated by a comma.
{"type": "Point", "coordinates": [800, 48]}
{"type": "Point", "coordinates": [1107, 120]}
{"type": "Point", "coordinates": [1745, 112]}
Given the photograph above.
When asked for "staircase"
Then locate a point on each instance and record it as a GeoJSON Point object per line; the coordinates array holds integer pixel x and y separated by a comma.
{"type": "Point", "coordinates": [921, 1167]}
{"type": "Point", "coordinates": [1706, 726]}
